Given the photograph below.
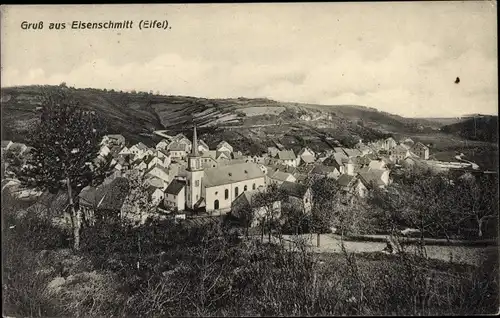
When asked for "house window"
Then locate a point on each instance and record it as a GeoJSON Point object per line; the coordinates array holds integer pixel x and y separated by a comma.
{"type": "Point", "coordinates": [226, 194]}
{"type": "Point", "coordinates": [236, 192]}
{"type": "Point", "coordinates": [196, 197]}
{"type": "Point", "coordinates": [197, 183]}
{"type": "Point", "coordinates": [307, 200]}
{"type": "Point", "coordinates": [253, 186]}
{"type": "Point", "coordinates": [245, 188]}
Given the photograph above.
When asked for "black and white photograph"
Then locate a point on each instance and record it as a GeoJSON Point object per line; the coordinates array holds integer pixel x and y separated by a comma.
{"type": "Point", "coordinates": [250, 159]}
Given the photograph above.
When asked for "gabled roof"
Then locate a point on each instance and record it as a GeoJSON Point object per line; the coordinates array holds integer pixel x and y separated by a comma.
{"type": "Point", "coordinates": [372, 175]}
{"type": "Point", "coordinates": [116, 136]}
{"type": "Point", "coordinates": [280, 175]}
{"type": "Point", "coordinates": [154, 181]}
{"type": "Point", "coordinates": [148, 159]}
{"type": "Point", "coordinates": [179, 137]}
{"type": "Point", "coordinates": [232, 173]}
{"type": "Point", "coordinates": [345, 180]}
{"type": "Point", "coordinates": [203, 144]}
{"type": "Point", "coordinates": [176, 146]}
{"type": "Point", "coordinates": [141, 146]}
{"type": "Point", "coordinates": [307, 155]}
{"type": "Point", "coordinates": [224, 143]}
{"type": "Point", "coordinates": [108, 196]}
{"type": "Point", "coordinates": [294, 189]}
{"type": "Point", "coordinates": [223, 153]}
{"type": "Point", "coordinates": [352, 152]}
{"type": "Point", "coordinates": [247, 197]}
{"type": "Point", "coordinates": [286, 155]}
{"type": "Point", "coordinates": [156, 167]}
{"type": "Point", "coordinates": [175, 187]}
{"type": "Point", "coordinates": [151, 189]}
{"type": "Point", "coordinates": [419, 145]}
{"type": "Point", "coordinates": [333, 161]}
{"type": "Point", "coordinates": [376, 164]}
{"type": "Point", "coordinates": [406, 146]}
{"type": "Point", "coordinates": [399, 148]}
{"type": "Point", "coordinates": [165, 153]}
{"type": "Point", "coordinates": [323, 170]}
{"type": "Point", "coordinates": [163, 141]}
{"type": "Point", "coordinates": [300, 177]}
{"type": "Point", "coordinates": [339, 150]}
{"type": "Point", "coordinates": [303, 151]}
{"type": "Point", "coordinates": [114, 151]}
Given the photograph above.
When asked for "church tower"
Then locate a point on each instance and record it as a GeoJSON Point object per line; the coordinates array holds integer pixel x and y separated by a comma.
{"type": "Point", "coordinates": [194, 175]}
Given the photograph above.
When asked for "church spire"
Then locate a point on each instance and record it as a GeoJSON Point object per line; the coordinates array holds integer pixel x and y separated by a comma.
{"type": "Point", "coordinates": [194, 149]}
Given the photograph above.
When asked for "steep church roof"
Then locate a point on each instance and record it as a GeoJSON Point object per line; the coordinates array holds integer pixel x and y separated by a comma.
{"type": "Point", "coordinates": [232, 174]}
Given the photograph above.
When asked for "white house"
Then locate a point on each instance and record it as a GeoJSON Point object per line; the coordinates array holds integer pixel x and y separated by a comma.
{"type": "Point", "coordinates": [162, 145]}
{"type": "Point", "coordinates": [389, 143]}
{"type": "Point", "coordinates": [353, 185]}
{"type": "Point", "coordinates": [156, 194]}
{"type": "Point", "coordinates": [272, 151]}
{"type": "Point", "coordinates": [377, 165]}
{"type": "Point", "coordinates": [307, 156]}
{"type": "Point", "coordinates": [125, 151]}
{"type": "Point", "coordinates": [104, 151]}
{"type": "Point", "coordinates": [139, 150]}
{"type": "Point", "coordinates": [165, 157]}
{"type": "Point", "coordinates": [139, 164]}
{"type": "Point", "coordinates": [299, 195]}
{"type": "Point", "coordinates": [158, 172]}
{"type": "Point", "coordinates": [202, 146]}
{"type": "Point", "coordinates": [248, 200]}
{"type": "Point", "coordinates": [379, 178]}
{"type": "Point", "coordinates": [278, 177]}
{"type": "Point", "coordinates": [224, 146]}
{"type": "Point", "coordinates": [286, 157]}
{"type": "Point", "coordinates": [175, 195]}
{"type": "Point", "coordinates": [421, 150]}
{"type": "Point", "coordinates": [116, 139]}
{"type": "Point", "coordinates": [152, 161]}
{"type": "Point", "coordinates": [399, 153]}
{"type": "Point", "coordinates": [178, 150]}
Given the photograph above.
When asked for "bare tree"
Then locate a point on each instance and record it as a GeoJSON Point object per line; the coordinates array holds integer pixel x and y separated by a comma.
{"type": "Point", "coordinates": [138, 204]}
{"type": "Point", "coordinates": [65, 147]}
{"type": "Point", "coordinates": [268, 203]}
{"type": "Point", "coordinates": [324, 192]}
{"type": "Point", "coordinates": [477, 200]}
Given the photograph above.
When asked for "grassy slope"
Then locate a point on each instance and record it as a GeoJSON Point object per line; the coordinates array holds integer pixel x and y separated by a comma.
{"type": "Point", "coordinates": [136, 116]}
{"type": "Point", "coordinates": [483, 128]}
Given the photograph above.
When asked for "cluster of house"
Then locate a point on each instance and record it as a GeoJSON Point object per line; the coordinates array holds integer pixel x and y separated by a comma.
{"type": "Point", "coordinates": [186, 175]}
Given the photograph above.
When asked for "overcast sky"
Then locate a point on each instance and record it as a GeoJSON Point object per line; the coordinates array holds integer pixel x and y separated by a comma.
{"type": "Point", "coordinates": [398, 57]}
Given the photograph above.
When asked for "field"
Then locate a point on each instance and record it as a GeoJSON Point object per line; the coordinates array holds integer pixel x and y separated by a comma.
{"type": "Point", "coordinates": [250, 125]}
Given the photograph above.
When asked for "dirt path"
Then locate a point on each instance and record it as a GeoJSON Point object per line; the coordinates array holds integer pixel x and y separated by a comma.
{"type": "Point", "coordinates": [329, 244]}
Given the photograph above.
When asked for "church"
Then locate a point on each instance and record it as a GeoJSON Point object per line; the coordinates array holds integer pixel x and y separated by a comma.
{"type": "Point", "coordinates": [214, 189]}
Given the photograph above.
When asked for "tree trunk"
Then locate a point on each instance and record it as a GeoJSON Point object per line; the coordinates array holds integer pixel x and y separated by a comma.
{"type": "Point", "coordinates": [75, 215]}
{"type": "Point", "coordinates": [262, 232]}
{"type": "Point", "coordinates": [480, 227]}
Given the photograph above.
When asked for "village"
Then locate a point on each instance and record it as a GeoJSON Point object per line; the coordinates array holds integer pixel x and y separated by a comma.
{"type": "Point", "coordinates": [184, 178]}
